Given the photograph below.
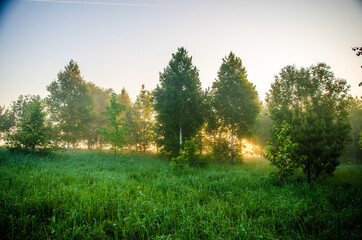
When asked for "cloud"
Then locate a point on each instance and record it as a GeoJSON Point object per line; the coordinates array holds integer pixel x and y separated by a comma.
{"type": "Point", "coordinates": [99, 3]}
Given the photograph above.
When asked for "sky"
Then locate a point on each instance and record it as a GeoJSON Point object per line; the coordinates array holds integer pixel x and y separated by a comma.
{"type": "Point", "coordinates": [127, 43]}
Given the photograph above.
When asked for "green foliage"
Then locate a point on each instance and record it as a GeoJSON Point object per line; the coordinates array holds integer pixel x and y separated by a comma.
{"type": "Point", "coordinates": [179, 163]}
{"type": "Point", "coordinates": [92, 195]}
{"type": "Point", "coordinates": [188, 156]}
{"type": "Point", "coordinates": [71, 104]}
{"type": "Point", "coordinates": [144, 124]}
{"type": "Point", "coordinates": [355, 114]}
{"type": "Point", "coordinates": [7, 120]}
{"type": "Point", "coordinates": [319, 143]}
{"type": "Point", "coordinates": [221, 148]}
{"type": "Point", "coordinates": [281, 151]}
{"type": "Point", "coordinates": [114, 133]}
{"type": "Point", "coordinates": [316, 104]}
{"type": "Point", "coordinates": [234, 99]}
{"type": "Point", "coordinates": [178, 102]}
{"type": "Point", "coordinates": [101, 97]}
{"type": "Point", "coordinates": [263, 127]}
{"type": "Point", "coordinates": [31, 133]}
{"type": "Point", "coordinates": [130, 116]}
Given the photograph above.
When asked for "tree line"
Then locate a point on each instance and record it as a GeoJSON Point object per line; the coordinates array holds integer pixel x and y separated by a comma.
{"type": "Point", "coordinates": [309, 107]}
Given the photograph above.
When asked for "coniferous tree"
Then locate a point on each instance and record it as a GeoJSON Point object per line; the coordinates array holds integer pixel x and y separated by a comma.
{"type": "Point", "coordinates": [143, 106]}
{"type": "Point", "coordinates": [178, 102]}
{"type": "Point", "coordinates": [234, 100]}
{"type": "Point", "coordinates": [71, 104]}
{"type": "Point", "coordinates": [130, 116]}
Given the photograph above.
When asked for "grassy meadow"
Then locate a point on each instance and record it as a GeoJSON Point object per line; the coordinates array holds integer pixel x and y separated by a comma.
{"type": "Point", "coordinates": [94, 195]}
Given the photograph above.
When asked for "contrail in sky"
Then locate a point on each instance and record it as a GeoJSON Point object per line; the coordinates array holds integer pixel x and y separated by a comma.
{"type": "Point", "coordinates": [99, 3]}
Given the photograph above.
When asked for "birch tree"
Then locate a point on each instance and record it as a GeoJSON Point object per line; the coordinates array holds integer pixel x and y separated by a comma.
{"type": "Point", "coordinates": [71, 104]}
{"type": "Point", "coordinates": [178, 102]}
{"type": "Point", "coordinates": [235, 100]}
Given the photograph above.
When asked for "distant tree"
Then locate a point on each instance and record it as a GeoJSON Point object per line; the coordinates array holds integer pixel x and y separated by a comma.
{"type": "Point", "coordinates": [32, 133]}
{"type": "Point", "coordinates": [124, 99]}
{"type": "Point", "coordinates": [101, 98]}
{"type": "Point", "coordinates": [316, 104]}
{"type": "Point", "coordinates": [263, 127]}
{"type": "Point", "coordinates": [143, 106]}
{"type": "Point", "coordinates": [114, 133]}
{"type": "Point", "coordinates": [356, 125]}
{"type": "Point", "coordinates": [71, 104]}
{"type": "Point", "coordinates": [130, 116]}
{"type": "Point", "coordinates": [7, 120]}
{"type": "Point", "coordinates": [235, 100]}
{"type": "Point", "coordinates": [178, 102]}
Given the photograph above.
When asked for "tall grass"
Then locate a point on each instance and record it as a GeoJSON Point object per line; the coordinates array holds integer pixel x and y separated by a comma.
{"type": "Point", "coordinates": [93, 195]}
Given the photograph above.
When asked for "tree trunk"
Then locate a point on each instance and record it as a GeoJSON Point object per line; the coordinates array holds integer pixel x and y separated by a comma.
{"type": "Point", "coordinates": [354, 150]}
{"type": "Point", "coordinates": [232, 145]}
{"type": "Point", "coordinates": [68, 146]}
{"type": "Point", "coordinates": [309, 177]}
{"type": "Point", "coordinates": [180, 139]}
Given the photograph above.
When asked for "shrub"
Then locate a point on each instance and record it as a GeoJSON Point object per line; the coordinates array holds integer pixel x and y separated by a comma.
{"type": "Point", "coordinates": [180, 162]}
{"type": "Point", "coordinates": [281, 151]}
{"type": "Point", "coordinates": [187, 157]}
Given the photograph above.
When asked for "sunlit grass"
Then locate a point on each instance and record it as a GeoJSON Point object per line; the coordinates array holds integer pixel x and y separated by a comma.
{"type": "Point", "coordinates": [94, 195]}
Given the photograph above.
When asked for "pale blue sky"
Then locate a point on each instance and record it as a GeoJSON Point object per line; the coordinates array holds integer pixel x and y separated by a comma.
{"type": "Point", "coordinates": [126, 43]}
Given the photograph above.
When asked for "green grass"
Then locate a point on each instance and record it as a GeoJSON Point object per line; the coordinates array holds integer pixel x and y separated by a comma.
{"type": "Point", "coordinates": [93, 195]}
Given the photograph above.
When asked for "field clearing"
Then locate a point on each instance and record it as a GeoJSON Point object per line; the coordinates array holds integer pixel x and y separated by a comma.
{"type": "Point", "coordinates": [94, 195]}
